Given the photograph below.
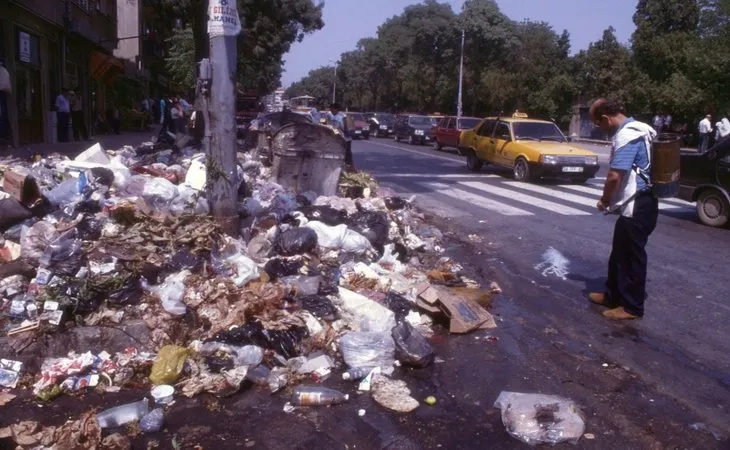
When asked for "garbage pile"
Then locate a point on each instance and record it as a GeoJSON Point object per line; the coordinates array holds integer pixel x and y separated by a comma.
{"type": "Point", "coordinates": [314, 286]}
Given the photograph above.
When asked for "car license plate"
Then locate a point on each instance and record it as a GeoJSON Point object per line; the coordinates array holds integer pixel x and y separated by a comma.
{"type": "Point", "coordinates": [572, 169]}
{"type": "Point", "coordinates": [358, 131]}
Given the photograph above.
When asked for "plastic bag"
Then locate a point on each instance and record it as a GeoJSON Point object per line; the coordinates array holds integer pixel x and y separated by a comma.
{"type": "Point", "coordinates": [89, 228]}
{"type": "Point", "coordinates": [302, 285]}
{"type": "Point", "coordinates": [129, 294]}
{"type": "Point", "coordinates": [152, 422]}
{"type": "Point", "coordinates": [280, 267]}
{"type": "Point", "coordinates": [339, 238]}
{"type": "Point", "coordinates": [324, 214]}
{"type": "Point", "coordinates": [169, 364]}
{"type": "Point", "coordinates": [537, 418]}
{"type": "Point", "coordinates": [232, 261]}
{"type": "Point", "coordinates": [35, 240]}
{"type": "Point", "coordinates": [64, 255]}
{"type": "Point", "coordinates": [373, 225]}
{"type": "Point", "coordinates": [247, 355]}
{"type": "Point", "coordinates": [65, 194]}
{"type": "Point", "coordinates": [395, 203]}
{"type": "Point", "coordinates": [188, 201]}
{"type": "Point", "coordinates": [365, 314]}
{"type": "Point", "coordinates": [319, 305]}
{"type": "Point", "coordinates": [296, 241]}
{"type": "Point", "coordinates": [159, 193]}
{"type": "Point", "coordinates": [411, 347]}
{"type": "Point", "coordinates": [171, 293]}
{"type": "Point", "coordinates": [367, 350]}
{"type": "Point", "coordinates": [400, 305]}
{"type": "Point", "coordinates": [284, 342]}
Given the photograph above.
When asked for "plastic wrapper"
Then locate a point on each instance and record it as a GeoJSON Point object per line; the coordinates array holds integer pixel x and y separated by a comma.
{"type": "Point", "coordinates": [339, 238]}
{"type": "Point", "coordinates": [371, 224]}
{"type": "Point", "coordinates": [35, 240]}
{"type": "Point", "coordinates": [247, 355]}
{"type": "Point", "coordinates": [411, 347]}
{"type": "Point", "coordinates": [171, 293]}
{"type": "Point", "coordinates": [319, 305]}
{"type": "Point", "coordinates": [232, 261]}
{"type": "Point", "coordinates": [296, 241]}
{"type": "Point", "coordinates": [63, 256]}
{"type": "Point", "coordinates": [159, 193]}
{"type": "Point", "coordinates": [65, 194]}
{"type": "Point", "coordinates": [367, 350]}
{"type": "Point", "coordinates": [302, 285]}
{"type": "Point", "coordinates": [153, 422]}
{"type": "Point", "coordinates": [540, 419]}
{"type": "Point", "coordinates": [280, 267]}
{"type": "Point", "coordinates": [169, 364]}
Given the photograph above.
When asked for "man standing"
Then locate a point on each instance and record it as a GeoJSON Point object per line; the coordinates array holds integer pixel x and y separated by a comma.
{"type": "Point", "coordinates": [627, 192]}
{"type": "Point", "coordinates": [5, 90]}
{"type": "Point", "coordinates": [78, 123]}
{"type": "Point", "coordinates": [63, 109]}
{"type": "Point", "coordinates": [705, 130]}
{"type": "Point", "coordinates": [337, 119]}
{"type": "Point", "coordinates": [658, 122]}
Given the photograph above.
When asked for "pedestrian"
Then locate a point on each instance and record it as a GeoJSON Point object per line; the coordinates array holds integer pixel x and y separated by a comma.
{"type": "Point", "coordinates": [5, 91]}
{"type": "Point", "coordinates": [176, 114]}
{"type": "Point", "coordinates": [63, 111]}
{"type": "Point", "coordinates": [667, 128]}
{"type": "Point", "coordinates": [78, 121]}
{"type": "Point", "coordinates": [723, 128]}
{"type": "Point", "coordinates": [658, 122]}
{"type": "Point", "coordinates": [627, 192]}
{"type": "Point", "coordinates": [338, 120]}
{"type": "Point", "coordinates": [705, 129]}
{"type": "Point", "coordinates": [166, 118]}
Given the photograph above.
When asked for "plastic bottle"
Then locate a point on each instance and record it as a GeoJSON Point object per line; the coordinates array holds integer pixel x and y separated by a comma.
{"type": "Point", "coordinates": [123, 414]}
{"type": "Point", "coordinates": [317, 396]}
{"type": "Point", "coordinates": [356, 374]}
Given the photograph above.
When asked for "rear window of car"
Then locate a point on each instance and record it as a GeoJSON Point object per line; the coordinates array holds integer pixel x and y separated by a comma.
{"type": "Point", "coordinates": [468, 124]}
{"type": "Point", "coordinates": [420, 121]}
{"type": "Point", "coordinates": [357, 116]}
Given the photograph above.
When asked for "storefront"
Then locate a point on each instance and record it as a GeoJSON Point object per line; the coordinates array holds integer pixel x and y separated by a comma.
{"type": "Point", "coordinates": [104, 69]}
{"type": "Point", "coordinates": [28, 87]}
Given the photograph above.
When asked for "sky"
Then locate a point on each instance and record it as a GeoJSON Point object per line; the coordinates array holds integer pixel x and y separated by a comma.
{"type": "Point", "coordinates": [348, 21]}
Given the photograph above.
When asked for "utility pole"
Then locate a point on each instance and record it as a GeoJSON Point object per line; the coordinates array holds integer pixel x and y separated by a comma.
{"type": "Point", "coordinates": [222, 169]}
{"type": "Point", "coordinates": [334, 85]}
{"type": "Point", "coordinates": [461, 78]}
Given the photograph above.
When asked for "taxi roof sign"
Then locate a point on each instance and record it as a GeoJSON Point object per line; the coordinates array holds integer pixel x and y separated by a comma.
{"type": "Point", "coordinates": [519, 115]}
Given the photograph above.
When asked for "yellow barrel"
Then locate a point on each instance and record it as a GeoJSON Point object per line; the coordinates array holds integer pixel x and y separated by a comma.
{"type": "Point", "coordinates": [665, 165]}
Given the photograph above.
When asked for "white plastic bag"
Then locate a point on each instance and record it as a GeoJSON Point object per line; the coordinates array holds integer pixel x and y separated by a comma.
{"type": "Point", "coordinates": [159, 193]}
{"type": "Point", "coordinates": [367, 350]}
{"type": "Point", "coordinates": [248, 355]}
{"type": "Point", "coordinates": [188, 201]}
{"type": "Point", "coordinates": [232, 261]}
{"type": "Point", "coordinates": [364, 314]}
{"type": "Point", "coordinates": [171, 293]}
{"type": "Point", "coordinates": [339, 238]}
{"type": "Point", "coordinates": [537, 418]}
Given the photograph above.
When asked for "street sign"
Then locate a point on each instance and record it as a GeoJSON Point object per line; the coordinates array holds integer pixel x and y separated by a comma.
{"type": "Point", "coordinates": [223, 18]}
{"type": "Point", "coordinates": [24, 49]}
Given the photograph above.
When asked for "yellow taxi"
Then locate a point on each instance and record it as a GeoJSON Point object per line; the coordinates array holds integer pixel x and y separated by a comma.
{"type": "Point", "coordinates": [531, 148]}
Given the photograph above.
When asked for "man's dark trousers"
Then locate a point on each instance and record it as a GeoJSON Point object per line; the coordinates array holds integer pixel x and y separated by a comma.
{"type": "Point", "coordinates": [62, 126]}
{"type": "Point", "coordinates": [627, 265]}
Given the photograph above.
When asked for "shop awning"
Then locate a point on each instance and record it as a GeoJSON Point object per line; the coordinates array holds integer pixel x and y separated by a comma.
{"type": "Point", "coordinates": [101, 63]}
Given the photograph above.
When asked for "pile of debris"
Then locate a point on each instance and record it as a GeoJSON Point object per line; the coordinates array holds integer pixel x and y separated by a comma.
{"type": "Point", "coordinates": [313, 286]}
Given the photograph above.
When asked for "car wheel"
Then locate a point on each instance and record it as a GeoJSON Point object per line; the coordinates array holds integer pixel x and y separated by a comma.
{"type": "Point", "coordinates": [473, 162]}
{"type": "Point", "coordinates": [521, 170]}
{"type": "Point", "coordinates": [713, 208]}
{"type": "Point", "coordinates": [437, 146]}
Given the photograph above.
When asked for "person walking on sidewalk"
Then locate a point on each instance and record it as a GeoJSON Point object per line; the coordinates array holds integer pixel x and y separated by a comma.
{"type": "Point", "coordinates": [5, 90]}
{"type": "Point", "coordinates": [705, 129]}
{"type": "Point", "coordinates": [78, 122]}
{"type": "Point", "coordinates": [63, 111]}
{"type": "Point", "coordinates": [627, 192]}
{"type": "Point", "coordinates": [339, 121]}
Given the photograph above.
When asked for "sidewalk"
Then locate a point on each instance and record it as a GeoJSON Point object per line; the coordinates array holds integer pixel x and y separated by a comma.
{"type": "Point", "coordinates": [71, 149]}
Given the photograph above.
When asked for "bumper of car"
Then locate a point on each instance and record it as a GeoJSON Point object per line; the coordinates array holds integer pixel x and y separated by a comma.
{"type": "Point", "coordinates": [564, 170]}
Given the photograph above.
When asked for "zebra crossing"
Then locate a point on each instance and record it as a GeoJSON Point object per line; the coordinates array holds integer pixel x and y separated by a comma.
{"type": "Point", "coordinates": [503, 196]}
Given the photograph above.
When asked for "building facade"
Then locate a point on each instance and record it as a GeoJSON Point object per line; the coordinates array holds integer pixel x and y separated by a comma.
{"type": "Point", "coordinates": [48, 45]}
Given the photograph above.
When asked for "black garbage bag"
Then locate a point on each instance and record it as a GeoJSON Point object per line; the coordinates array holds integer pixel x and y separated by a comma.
{"type": "Point", "coordinates": [319, 305]}
{"type": "Point", "coordinates": [283, 342]}
{"type": "Point", "coordinates": [303, 200]}
{"type": "Point", "coordinates": [400, 251]}
{"type": "Point", "coordinates": [395, 203]}
{"type": "Point", "coordinates": [280, 267]}
{"type": "Point", "coordinates": [373, 225]}
{"type": "Point", "coordinates": [218, 362]}
{"type": "Point", "coordinates": [324, 214]}
{"type": "Point", "coordinates": [296, 241]}
{"type": "Point", "coordinates": [129, 294]}
{"type": "Point", "coordinates": [411, 347]}
{"type": "Point", "coordinates": [400, 305]}
{"type": "Point", "coordinates": [102, 176]}
{"type": "Point", "coordinates": [12, 212]}
{"type": "Point", "coordinates": [89, 229]}
{"type": "Point", "coordinates": [185, 260]}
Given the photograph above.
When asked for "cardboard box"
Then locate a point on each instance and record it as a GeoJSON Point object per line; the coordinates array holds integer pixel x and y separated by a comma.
{"type": "Point", "coordinates": [21, 185]}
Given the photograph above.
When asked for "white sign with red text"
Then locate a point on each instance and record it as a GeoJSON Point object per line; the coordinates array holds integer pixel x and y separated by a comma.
{"type": "Point", "coordinates": [223, 18]}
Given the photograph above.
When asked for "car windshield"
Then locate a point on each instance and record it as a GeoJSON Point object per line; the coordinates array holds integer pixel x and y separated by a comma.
{"type": "Point", "coordinates": [435, 120]}
{"type": "Point", "coordinates": [385, 118]}
{"type": "Point", "coordinates": [541, 131]}
{"type": "Point", "coordinates": [468, 124]}
{"type": "Point", "coordinates": [357, 117]}
{"type": "Point", "coordinates": [420, 121]}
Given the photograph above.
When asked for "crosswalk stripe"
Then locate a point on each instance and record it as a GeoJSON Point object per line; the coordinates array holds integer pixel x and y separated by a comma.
{"type": "Point", "coordinates": [444, 176]}
{"type": "Point", "coordinates": [486, 203]}
{"type": "Point", "coordinates": [523, 198]}
{"type": "Point", "coordinates": [578, 199]}
{"type": "Point", "coordinates": [674, 202]}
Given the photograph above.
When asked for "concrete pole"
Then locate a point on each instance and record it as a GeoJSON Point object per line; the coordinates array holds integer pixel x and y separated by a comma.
{"type": "Point", "coordinates": [334, 86]}
{"type": "Point", "coordinates": [461, 78]}
{"type": "Point", "coordinates": [222, 173]}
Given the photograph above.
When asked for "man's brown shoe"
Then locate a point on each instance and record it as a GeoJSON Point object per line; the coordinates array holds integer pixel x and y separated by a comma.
{"type": "Point", "coordinates": [599, 298]}
{"type": "Point", "coordinates": [619, 314]}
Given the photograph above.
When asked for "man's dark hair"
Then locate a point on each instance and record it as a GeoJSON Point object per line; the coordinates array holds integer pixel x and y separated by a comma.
{"type": "Point", "coordinates": [335, 106]}
{"type": "Point", "coordinates": [606, 107]}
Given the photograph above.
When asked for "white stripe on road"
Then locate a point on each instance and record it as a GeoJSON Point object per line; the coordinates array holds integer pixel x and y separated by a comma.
{"type": "Point", "coordinates": [429, 175]}
{"type": "Point", "coordinates": [675, 203]}
{"type": "Point", "coordinates": [578, 199]}
{"type": "Point", "coordinates": [523, 198]}
{"type": "Point", "coordinates": [485, 203]}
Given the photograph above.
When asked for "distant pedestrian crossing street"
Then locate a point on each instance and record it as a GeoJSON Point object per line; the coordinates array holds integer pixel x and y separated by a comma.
{"type": "Point", "coordinates": [501, 195]}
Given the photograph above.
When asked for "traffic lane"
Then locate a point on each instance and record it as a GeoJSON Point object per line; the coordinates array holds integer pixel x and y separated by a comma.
{"type": "Point", "coordinates": [683, 333]}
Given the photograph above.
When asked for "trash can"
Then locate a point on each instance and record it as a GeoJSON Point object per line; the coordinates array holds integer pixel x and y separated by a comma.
{"type": "Point", "coordinates": [308, 157]}
{"type": "Point", "coordinates": [665, 169]}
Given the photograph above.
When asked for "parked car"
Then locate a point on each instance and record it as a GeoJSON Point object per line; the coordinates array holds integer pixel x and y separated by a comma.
{"type": "Point", "coordinates": [449, 130]}
{"type": "Point", "coordinates": [415, 129]}
{"type": "Point", "coordinates": [705, 179]}
{"type": "Point", "coordinates": [381, 124]}
{"type": "Point", "coordinates": [361, 128]}
{"type": "Point", "coordinates": [531, 148]}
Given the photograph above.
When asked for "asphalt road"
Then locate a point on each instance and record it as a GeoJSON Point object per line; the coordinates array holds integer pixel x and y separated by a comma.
{"type": "Point", "coordinates": [548, 246]}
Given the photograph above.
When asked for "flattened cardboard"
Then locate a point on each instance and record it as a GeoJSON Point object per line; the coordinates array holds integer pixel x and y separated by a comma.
{"type": "Point", "coordinates": [464, 314]}
{"type": "Point", "coordinates": [21, 185]}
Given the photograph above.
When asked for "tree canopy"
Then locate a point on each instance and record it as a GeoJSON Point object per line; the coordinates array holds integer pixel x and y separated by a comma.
{"type": "Point", "coordinates": [677, 61]}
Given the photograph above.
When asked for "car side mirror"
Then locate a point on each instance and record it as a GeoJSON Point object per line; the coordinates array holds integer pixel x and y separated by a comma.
{"type": "Point", "coordinates": [505, 137]}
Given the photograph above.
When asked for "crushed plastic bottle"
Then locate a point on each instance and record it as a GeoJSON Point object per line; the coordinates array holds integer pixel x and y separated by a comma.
{"type": "Point", "coordinates": [121, 415]}
{"type": "Point", "coordinates": [153, 422]}
{"type": "Point", "coordinates": [317, 396]}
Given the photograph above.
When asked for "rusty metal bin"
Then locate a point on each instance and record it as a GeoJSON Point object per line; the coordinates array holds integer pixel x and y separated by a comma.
{"type": "Point", "coordinates": [665, 169]}
{"type": "Point", "coordinates": [307, 157]}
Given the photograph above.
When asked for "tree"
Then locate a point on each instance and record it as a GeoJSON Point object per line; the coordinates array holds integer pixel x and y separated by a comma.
{"type": "Point", "coordinates": [318, 83]}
